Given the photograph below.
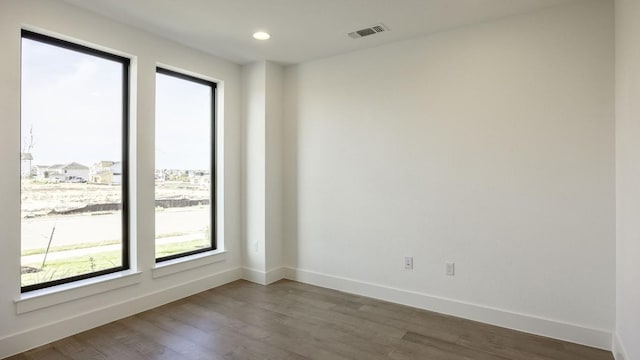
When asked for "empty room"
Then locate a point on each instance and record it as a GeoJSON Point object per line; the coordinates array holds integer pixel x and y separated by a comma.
{"type": "Point", "coordinates": [320, 179]}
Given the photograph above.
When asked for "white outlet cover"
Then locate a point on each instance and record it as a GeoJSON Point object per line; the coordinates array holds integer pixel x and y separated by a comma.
{"type": "Point", "coordinates": [408, 262]}
{"type": "Point", "coordinates": [450, 269]}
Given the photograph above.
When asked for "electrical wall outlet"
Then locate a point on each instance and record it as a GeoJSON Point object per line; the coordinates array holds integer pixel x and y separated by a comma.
{"type": "Point", "coordinates": [450, 268]}
{"type": "Point", "coordinates": [408, 262]}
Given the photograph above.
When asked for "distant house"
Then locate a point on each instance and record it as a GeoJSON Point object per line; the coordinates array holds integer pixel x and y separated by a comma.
{"type": "Point", "coordinates": [41, 172]}
{"type": "Point", "coordinates": [62, 172]}
{"type": "Point", "coordinates": [25, 165]}
{"type": "Point", "coordinates": [75, 171]}
{"type": "Point", "coordinates": [160, 175]}
{"type": "Point", "coordinates": [199, 177]}
{"type": "Point", "coordinates": [54, 173]}
{"type": "Point", "coordinates": [106, 172]}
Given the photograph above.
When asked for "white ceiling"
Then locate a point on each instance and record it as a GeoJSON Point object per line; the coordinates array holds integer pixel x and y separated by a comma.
{"type": "Point", "coordinates": [301, 29]}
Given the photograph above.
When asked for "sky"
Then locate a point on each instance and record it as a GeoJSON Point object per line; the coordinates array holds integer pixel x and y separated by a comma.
{"type": "Point", "coordinates": [72, 102]}
{"type": "Point", "coordinates": [183, 124]}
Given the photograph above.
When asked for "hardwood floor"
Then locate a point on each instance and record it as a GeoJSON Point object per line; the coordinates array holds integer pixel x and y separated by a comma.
{"type": "Point", "coordinates": [291, 320]}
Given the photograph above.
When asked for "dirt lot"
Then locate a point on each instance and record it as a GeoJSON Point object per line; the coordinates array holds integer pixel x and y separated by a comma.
{"type": "Point", "coordinates": [40, 199]}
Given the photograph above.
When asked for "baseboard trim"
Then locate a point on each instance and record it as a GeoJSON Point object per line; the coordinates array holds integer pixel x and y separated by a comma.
{"type": "Point", "coordinates": [618, 350]}
{"type": "Point", "coordinates": [263, 277]}
{"type": "Point", "coordinates": [522, 322]}
{"type": "Point", "coordinates": [29, 339]}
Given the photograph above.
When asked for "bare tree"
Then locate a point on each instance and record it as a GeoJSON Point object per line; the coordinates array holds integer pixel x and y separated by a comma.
{"type": "Point", "coordinates": [28, 141]}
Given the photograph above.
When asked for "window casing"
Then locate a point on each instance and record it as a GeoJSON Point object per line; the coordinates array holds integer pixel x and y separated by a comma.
{"type": "Point", "coordinates": [185, 175]}
{"type": "Point", "coordinates": [85, 129]}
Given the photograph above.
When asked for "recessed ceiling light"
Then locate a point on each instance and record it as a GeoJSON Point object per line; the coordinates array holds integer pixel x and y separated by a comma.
{"type": "Point", "coordinates": [261, 35]}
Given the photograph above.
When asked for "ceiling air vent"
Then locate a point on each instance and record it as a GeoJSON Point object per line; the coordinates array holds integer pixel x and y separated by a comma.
{"type": "Point", "coordinates": [368, 31]}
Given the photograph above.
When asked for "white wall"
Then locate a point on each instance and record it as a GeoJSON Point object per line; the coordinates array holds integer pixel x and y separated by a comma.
{"type": "Point", "coordinates": [254, 112]}
{"type": "Point", "coordinates": [491, 146]}
{"type": "Point", "coordinates": [263, 201]}
{"type": "Point", "coordinates": [19, 332]}
{"type": "Point", "coordinates": [274, 169]}
{"type": "Point", "coordinates": [628, 178]}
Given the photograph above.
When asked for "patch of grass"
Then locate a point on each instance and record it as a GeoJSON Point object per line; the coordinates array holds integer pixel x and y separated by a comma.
{"type": "Point", "coordinates": [180, 247]}
{"type": "Point", "coordinates": [77, 265]}
{"type": "Point", "coordinates": [84, 264]}
{"type": "Point", "coordinates": [94, 244]}
{"type": "Point", "coordinates": [179, 233]}
{"type": "Point", "coordinates": [69, 247]}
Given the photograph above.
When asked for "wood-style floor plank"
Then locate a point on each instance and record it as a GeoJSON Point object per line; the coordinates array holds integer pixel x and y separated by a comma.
{"type": "Point", "coordinates": [295, 321]}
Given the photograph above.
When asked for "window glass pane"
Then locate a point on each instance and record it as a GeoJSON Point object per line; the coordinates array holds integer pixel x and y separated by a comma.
{"type": "Point", "coordinates": [71, 164]}
{"type": "Point", "coordinates": [183, 175]}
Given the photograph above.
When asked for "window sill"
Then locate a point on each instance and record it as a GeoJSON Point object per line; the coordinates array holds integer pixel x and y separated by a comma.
{"type": "Point", "coordinates": [187, 263]}
{"type": "Point", "coordinates": [39, 299]}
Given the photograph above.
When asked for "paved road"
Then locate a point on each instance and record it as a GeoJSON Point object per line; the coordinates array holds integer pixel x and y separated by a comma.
{"type": "Point", "coordinates": [97, 228]}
